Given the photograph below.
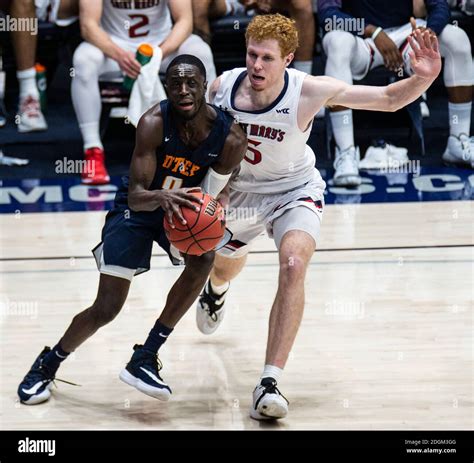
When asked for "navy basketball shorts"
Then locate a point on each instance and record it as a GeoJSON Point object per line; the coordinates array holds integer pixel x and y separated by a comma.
{"type": "Point", "coordinates": [127, 241]}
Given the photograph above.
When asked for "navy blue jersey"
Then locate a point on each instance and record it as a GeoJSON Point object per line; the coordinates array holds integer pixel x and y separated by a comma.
{"type": "Point", "coordinates": [127, 236]}
{"type": "Point", "coordinates": [177, 166]}
{"type": "Point", "coordinates": [181, 167]}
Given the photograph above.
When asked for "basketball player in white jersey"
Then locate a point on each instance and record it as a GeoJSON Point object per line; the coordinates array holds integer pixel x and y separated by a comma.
{"type": "Point", "coordinates": [59, 12]}
{"type": "Point", "coordinates": [113, 30]}
{"type": "Point", "coordinates": [278, 184]}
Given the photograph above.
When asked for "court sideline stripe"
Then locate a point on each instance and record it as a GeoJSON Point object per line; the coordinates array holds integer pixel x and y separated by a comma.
{"type": "Point", "coordinates": [388, 248]}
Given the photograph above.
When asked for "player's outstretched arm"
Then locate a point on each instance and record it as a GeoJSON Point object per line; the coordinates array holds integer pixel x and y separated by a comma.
{"type": "Point", "coordinates": [142, 171]}
{"type": "Point", "coordinates": [426, 65]}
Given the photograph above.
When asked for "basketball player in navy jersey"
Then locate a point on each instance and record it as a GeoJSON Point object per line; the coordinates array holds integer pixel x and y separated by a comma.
{"type": "Point", "coordinates": [181, 143]}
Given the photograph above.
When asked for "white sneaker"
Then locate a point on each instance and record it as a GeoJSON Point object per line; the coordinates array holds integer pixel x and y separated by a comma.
{"type": "Point", "coordinates": [384, 157]}
{"type": "Point", "coordinates": [31, 117]}
{"type": "Point", "coordinates": [376, 157]}
{"type": "Point", "coordinates": [397, 156]}
{"type": "Point", "coordinates": [210, 310]}
{"type": "Point", "coordinates": [347, 167]}
{"type": "Point", "coordinates": [459, 151]}
{"type": "Point", "coordinates": [268, 402]}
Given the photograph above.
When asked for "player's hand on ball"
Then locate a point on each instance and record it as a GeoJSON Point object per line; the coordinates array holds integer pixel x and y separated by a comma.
{"type": "Point", "coordinates": [173, 200]}
{"type": "Point", "coordinates": [425, 59]}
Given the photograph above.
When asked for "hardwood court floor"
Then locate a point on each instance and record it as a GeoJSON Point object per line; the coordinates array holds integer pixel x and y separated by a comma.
{"type": "Point", "coordinates": [386, 340]}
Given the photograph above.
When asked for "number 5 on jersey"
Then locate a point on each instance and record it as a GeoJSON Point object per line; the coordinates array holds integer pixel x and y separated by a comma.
{"type": "Point", "coordinates": [255, 156]}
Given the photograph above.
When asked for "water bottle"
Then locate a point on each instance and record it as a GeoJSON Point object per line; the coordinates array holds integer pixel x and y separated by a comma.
{"type": "Point", "coordinates": [41, 83]}
{"type": "Point", "coordinates": [143, 56]}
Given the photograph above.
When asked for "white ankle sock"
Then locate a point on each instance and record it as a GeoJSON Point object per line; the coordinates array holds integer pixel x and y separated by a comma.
{"type": "Point", "coordinates": [219, 289]}
{"type": "Point", "coordinates": [27, 82]}
{"type": "Point", "coordinates": [305, 66]}
{"type": "Point", "coordinates": [343, 128]}
{"type": "Point", "coordinates": [271, 371]}
{"type": "Point", "coordinates": [459, 118]}
{"type": "Point", "coordinates": [91, 135]}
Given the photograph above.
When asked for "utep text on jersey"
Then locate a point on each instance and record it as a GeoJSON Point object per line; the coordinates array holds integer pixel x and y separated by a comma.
{"type": "Point", "coordinates": [181, 167]}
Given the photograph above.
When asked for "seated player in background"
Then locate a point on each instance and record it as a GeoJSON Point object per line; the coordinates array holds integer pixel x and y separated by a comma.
{"type": "Point", "coordinates": [192, 133]}
{"type": "Point", "coordinates": [60, 12]}
{"type": "Point", "coordinates": [299, 10]}
{"type": "Point", "coordinates": [113, 30]}
{"type": "Point", "coordinates": [384, 42]}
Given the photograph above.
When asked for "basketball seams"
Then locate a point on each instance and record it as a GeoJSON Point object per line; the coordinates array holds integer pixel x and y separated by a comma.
{"type": "Point", "coordinates": [200, 211]}
{"type": "Point", "coordinates": [194, 245]}
{"type": "Point", "coordinates": [196, 234]}
{"type": "Point", "coordinates": [194, 241]}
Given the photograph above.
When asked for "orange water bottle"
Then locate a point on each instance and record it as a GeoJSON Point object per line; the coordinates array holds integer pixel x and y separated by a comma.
{"type": "Point", "coordinates": [41, 83]}
{"type": "Point", "coordinates": [143, 56]}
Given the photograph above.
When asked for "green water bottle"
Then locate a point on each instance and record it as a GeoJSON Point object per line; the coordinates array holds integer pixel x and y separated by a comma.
{"type": "Point", "coordinates": [143, 55]}
{"type": "Point", "coordinates": [41, 83]}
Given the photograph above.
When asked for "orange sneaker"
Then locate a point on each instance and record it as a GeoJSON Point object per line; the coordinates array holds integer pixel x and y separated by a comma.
{"type": "Point", "coordinates": [95, 172]}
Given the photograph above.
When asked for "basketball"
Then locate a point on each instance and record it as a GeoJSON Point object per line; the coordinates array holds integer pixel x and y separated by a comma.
{"type": "Point", "coordinates": [203, 230]}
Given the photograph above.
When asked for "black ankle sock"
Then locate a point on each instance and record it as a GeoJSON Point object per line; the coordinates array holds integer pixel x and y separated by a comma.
{"type": "Point", "coordinates": [157, 337]}
{"type": "Point", "coordinates": [53, 359]}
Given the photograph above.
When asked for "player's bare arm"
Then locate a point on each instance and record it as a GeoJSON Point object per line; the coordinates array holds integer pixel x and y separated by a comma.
{"type": "Point", "coordinates": [321, 90]}
{"type": "Point", "coordinates": [182, 14]}
{"type": "Point", "coordinates": [234, 150]}
{"type": "Point", "coordinates": [232, 155]}
{"type": "Point", "coordinates": [143, 168]}
{"type": "Point", "coordinates": [90, 13]}
{"type": "Point", "coordinates": [213, 89]}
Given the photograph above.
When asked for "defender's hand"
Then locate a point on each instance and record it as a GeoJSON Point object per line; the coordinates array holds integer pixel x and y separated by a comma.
{"type": "Point", "coordinates": [424, 55]}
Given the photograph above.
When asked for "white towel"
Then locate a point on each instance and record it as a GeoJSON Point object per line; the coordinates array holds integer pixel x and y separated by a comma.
{"type": "Point", "coordinates": [147, 89]}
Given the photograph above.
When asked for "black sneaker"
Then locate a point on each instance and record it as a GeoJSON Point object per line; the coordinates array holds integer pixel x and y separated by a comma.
{"type": "Point", "coordinates": [36, 385]}
{"type": "Point", "coordinates": [210, 309]}
{"type": "Point", "coordinates": [142, 372]}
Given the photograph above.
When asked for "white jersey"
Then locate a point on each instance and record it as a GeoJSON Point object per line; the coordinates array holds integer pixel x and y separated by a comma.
{"type": "Point", "coordinates": [137, 21]}
{"type": "Point", "coordinates": [278, 158]}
